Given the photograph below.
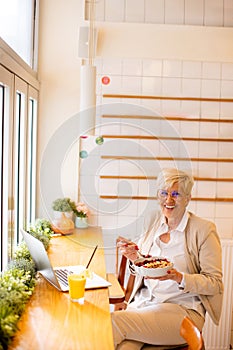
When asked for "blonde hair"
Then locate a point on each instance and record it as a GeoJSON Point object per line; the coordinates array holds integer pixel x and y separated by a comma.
{"type": "Point", "coordinates": [169, 176]}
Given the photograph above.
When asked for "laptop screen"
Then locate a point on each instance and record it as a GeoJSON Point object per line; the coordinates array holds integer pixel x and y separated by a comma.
{"type": "Point", "coordinates": [40, 257]}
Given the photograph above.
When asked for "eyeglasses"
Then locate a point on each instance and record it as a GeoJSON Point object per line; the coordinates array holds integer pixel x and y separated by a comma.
{"type": "Point", "coordinates": [164, 194]}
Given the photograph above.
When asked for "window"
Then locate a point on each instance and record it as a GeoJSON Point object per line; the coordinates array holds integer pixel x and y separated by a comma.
{"type": "Point", "coordinates": [18, 111]}
{"type": "Point", "coordinates": [18, 107]}
{"type": "Point", "coordinates": [6, 199]}
{"type": "Point", "coordinates": [18, 27]}
{"type": "Point", "coordinates": [31, 158]}
{"type": "Point", "coordinates": [1, 161]}
{"type": "Point", "coordinates": [19, 155]}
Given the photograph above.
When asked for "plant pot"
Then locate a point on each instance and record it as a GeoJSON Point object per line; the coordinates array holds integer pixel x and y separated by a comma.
{"type": "Point", "coordinates": [59, 214]}
{"type": "Point", "coordinates": [63, 225]}
{"type": "Point", "coordinates": [81, 222]}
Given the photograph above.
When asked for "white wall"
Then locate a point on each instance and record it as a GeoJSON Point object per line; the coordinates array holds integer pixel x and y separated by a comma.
{"type": "Point", "coordinates": [59, 75]}
{"type": "Point", "coordinates": [59, 68]}
{"type": "Point", "coordinates": [165, 41]}
{"type": "Point", "coordinates": [59, 71]}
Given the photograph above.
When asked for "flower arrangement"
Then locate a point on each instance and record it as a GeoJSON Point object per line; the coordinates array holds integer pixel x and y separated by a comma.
{"type": "Point", "coordinates": [80, 210]}
{"type": "Point", "coordinates": [17, 283]}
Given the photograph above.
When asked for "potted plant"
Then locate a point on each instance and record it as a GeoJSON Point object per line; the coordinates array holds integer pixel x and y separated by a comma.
{"type": "Point", "coordinates": [63, 212]}
{"type": "Point", "coordinates": [81, 213]}
{"type": "Point", "coordinates": [63, 205]}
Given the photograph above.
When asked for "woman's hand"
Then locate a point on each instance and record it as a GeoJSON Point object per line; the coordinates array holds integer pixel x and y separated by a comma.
{"type": "Point", "coordinates": [172, 274]}
{"type": "Point", "coordinates": [128, 248]}
{"type": "Point", "coordinates": [120, 306]}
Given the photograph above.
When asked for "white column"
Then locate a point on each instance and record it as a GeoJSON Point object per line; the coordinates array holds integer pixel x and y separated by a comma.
{"type": "Point", "coordinates": [87, 99]}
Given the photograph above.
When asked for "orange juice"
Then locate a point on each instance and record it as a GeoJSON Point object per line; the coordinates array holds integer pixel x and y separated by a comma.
{"type": "Point", "coordinates": [77, 287]}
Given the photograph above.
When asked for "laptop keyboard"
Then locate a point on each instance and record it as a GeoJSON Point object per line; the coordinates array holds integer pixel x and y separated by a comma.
{"type": "Point", "coordinates": [62, 275]}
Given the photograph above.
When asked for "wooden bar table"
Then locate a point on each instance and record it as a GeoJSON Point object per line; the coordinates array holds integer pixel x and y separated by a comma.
{"type": "Point", "coordinates": [51, 321]}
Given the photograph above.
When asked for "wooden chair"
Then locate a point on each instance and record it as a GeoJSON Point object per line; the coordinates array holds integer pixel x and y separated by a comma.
{"type": "Point", "coordinates": [191, 335]}
{"type": "Point", "coordinates": [116, 290]}
{"type": "Point", "coordinates": [118, 293]}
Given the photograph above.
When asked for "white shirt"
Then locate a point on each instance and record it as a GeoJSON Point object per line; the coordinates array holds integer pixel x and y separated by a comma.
{"type": "Point", "coordinates": [168, 291]}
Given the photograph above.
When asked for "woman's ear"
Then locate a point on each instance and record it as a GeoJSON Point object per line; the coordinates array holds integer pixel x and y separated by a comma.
{"type": "Point", "coordinates": [188, 199]}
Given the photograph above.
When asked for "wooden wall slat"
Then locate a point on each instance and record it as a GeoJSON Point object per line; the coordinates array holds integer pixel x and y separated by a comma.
{"type": "Point", "coordinates": [147, 137]}
{"type": "Point", "coordinates": [173, 118]}
{"type": "Point", "coordinates": [172, 98]}
{"type": "Point", "coordinates": [194, 159]}
{"type": "Point", "coordinates": [201, 199]}
{"type": "Point", "coordinates": [125, 177]}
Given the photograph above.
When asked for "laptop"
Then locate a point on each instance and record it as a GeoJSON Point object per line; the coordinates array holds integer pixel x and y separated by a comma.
{"type": "Point", "coordinates": [57, 276]}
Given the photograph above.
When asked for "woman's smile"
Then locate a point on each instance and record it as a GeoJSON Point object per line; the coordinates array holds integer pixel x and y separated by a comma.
{"type": "Point", "coordinates": [173, 202]}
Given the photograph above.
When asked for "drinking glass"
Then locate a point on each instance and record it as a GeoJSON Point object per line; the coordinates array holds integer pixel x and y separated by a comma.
{"type": "Point", "coordinates": [77, 284]}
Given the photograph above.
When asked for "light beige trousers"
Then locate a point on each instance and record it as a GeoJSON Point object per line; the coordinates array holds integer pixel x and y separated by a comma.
{"type": "Point", "coordinates": [158, 325]}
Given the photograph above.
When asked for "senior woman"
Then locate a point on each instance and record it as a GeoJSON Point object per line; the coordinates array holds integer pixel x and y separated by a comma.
{"type": "Point", "coordinates": [191, 288]}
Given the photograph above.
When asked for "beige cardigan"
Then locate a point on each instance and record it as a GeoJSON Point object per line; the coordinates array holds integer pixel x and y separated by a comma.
{"type": "Point", "coordinates": [204, 260]}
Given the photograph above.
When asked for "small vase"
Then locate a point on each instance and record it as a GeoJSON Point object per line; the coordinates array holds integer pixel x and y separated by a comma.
{"type": "Point", "coordinates": [81, 222]}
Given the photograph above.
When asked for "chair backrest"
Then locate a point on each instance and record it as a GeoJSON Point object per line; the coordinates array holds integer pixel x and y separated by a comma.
{"type": "Point", "coordinates": [121, 273]}
{"type": "Point", "coordinates": [191, 334]}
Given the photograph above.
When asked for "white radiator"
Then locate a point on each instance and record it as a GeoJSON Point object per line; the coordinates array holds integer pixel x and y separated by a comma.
{"type": "Point", "coordinates": [218, 337]}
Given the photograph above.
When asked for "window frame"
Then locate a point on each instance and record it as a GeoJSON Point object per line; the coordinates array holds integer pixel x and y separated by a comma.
{"type": "Point", "coordinates": [6, 204]}
{"type": "Point", "coordinates": [33, 100]}
{"type": "Point", "coordinates": [16, 75]}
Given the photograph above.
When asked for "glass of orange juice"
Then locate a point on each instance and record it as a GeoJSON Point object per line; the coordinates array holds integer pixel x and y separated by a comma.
{"type": "Point", "coordinates": [77, 284]}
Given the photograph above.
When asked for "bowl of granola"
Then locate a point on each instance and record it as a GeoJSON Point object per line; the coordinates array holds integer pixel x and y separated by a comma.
{"type": "Point", "coordinates": [152, 267]}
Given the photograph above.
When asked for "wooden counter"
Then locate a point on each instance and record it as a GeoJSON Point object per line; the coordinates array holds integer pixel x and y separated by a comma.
{"type": "Point", "coordinates": [51, 321]}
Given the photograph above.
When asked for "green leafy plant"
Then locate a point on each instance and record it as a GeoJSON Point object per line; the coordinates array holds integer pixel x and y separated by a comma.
{"type": "Point", "coordinates": [42, 230]}
{"type": "Point", "coordinates": [62, 204]}
{"type": "Point", "coordinates": [17, 283]}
